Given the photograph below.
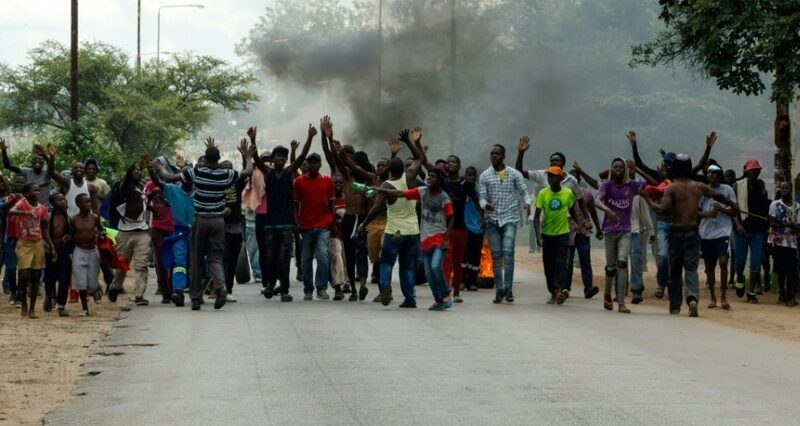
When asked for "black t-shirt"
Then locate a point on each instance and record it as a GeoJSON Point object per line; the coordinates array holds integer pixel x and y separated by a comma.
{"type": "Point", "coordinates": [233, 201]}
{"type": "Point", "coordinates": [459, 191]}
{"type": "Point", "coordinates": [757, 203]}
{"type": "Point", "coordinates": [280, 201]}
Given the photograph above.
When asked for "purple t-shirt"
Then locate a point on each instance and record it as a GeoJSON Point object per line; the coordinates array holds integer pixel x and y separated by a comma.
{"type": "Point", "coordinates": [619, 198]}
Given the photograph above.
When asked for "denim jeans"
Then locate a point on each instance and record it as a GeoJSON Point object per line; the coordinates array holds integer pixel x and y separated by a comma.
{"type": "Point", "coordinates": [754, 242]}
{"type": "Point", "coordinates": [316, 245]}
{"type": "Point", "coordinates": [501, 242]}
{"type": "Point", "coordinates": [406, 248]}
{"type": "Point", "coordinates": [638, 257]}
{"type": "Point", "coordinates": [618, 248]}
{"type": "Point", "coordinates": [583, 247]}
{"type": "Point", "coordinates": [251, 245]}
{"type": "Point", "coordinates": [662, 246]}
{"type": "Point", "coordinates": [432, 260]}
{"type": "Point", "coordinates": [277, 255]}
{"type": "Point", "coordinates": [684, 257]}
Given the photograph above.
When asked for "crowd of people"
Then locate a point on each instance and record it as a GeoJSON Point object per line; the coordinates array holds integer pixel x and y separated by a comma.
{"type": "Point", "coordinates": [192, 221]}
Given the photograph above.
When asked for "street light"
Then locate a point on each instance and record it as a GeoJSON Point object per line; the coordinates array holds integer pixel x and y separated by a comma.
{"type": "Point", "coordinates": [158, 36]}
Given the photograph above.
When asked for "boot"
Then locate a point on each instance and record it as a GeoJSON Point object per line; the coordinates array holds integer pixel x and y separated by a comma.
{"type": "Point", "coordinates": [22, 297]}
{"type": "Point", "coordinates": [32, 307]}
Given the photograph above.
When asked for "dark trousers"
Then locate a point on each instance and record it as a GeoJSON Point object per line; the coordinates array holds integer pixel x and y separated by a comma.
{"type": "Point", "coordinates": [583, 247]}
{"type": "Point", "coordinates": [157, 238]}
{"type": "Point", "coordinates": [277, 256]}
{"type": "Point", "coordinates": [208, 249]}
{"type": "Point", "coordinates": [471, 262]}
{"type": "Point", "coordinates": [233, 246]}
{"type": "Point", "coordinates": [684, 256]}
{"type": "Point", "coordinates": [58, 271]}
{"type": "Point", "coordinates": [555, 249]}
{"type": "Point", "coordinates": [355, 249]}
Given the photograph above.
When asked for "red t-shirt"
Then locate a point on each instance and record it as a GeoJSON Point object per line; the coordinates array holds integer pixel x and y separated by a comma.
{"type": "Point", "coordinates": [29, 228]}
{"type": "Point", "coordinates": [162, 215]}
{"type": "Point", "coordinates": [313, 196]}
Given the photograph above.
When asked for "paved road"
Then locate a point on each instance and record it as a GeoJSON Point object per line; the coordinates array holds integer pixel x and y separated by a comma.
{"type": "Point", "coordinates": [263, 362]}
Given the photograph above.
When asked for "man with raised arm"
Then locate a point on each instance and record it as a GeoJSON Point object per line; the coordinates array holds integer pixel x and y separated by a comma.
{"type": "Point", "coordinates": [682, 199]}
{"type": "Point", "coordinates": [72, 186]}
{"type": "Point", "coordinates": [279, 224]}
{"type": "Point", "coordinates": [34, 174]}
{"type": "Point", "coordinates": [501, 190]}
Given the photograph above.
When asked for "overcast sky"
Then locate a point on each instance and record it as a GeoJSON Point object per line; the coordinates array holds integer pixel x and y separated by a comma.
{"type": "Point", "coordinates": [213, 30]}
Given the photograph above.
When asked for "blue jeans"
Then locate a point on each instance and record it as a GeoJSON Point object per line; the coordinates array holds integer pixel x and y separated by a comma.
{"type": "Point", "coordinates": [251, 245]}
{"type": "Point", "coordinates": [755, 243]}
{"type": "Point", "coordinates": [432, 260]}
{"type": "Point", "coordinates": [638, 256]}
{"type": "Point", "coordinates": [316, 244]}
{"type": "Point", "coordinates": [583, 247]}
{"type": "Point", "coordinates": [662, 245]}
{"type": "Point", "coordinates": [405, 247]}
{"type": "Point", "coordinates": [501, 242]}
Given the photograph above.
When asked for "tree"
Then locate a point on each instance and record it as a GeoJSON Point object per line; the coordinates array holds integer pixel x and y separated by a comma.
{"type": "Point", "coordinates": [145, 113]}
{"type": "Point", "coordinates": [737, 43]}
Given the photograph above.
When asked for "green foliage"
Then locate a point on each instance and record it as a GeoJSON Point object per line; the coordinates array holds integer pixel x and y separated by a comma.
{"type": "Point", "coordinates": [121, 112]}
{"type": "Point", "coordinates": [737, 43]}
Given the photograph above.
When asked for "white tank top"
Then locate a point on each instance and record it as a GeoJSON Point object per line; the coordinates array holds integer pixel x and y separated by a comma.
{"type": "Point", "coordinates": [72, 194]}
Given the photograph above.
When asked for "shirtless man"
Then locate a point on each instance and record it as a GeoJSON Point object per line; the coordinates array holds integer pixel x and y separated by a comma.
{"type": "Point", "coordinates": [59, 264]}
{"type": "Point", "coordinates": [86, 227]}
{"type": "Point", "coordinates": [681, 199]}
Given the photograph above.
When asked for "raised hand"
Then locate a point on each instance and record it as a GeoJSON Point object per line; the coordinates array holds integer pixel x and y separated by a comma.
{"type": "Point", "coordinates": [416, 134]}
{"type": "Point", "coordinates": [294, 144]}
{"type": "Point", "coordinates": [711, 139]}
{"type": "Point", "coordinates": [251, 133]}
{"type": "Point", "coordinates": [209, 142]}
{"type": "Point", "coordinates": [244, 146]}
{"type": "Point", "coordinates": [180, 161]}
{"type": "Point", "coordinates": [631, 137]}
{"type": "Point", "coordinates": [524, 144]}
{"type": "Point", "coordinates": [576, 166]}
{"type": "Point", "coordinates": [312, 131]}
{"type": "Point", "coordinates": [3, 145]}
{"type": "Point", "coordinates": [336, 146]}
{"type": "Point", "coordinates": [326, 126]}
{"type": "Point", "coordinates": [403, 135]}
{"type": "Point", "coordinates": [395, 146]}
{"type": "Point", "coordinates": [51, 148]}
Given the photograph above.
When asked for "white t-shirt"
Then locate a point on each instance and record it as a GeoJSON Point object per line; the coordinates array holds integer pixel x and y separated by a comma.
{"type": "Point", "coordinates": [721, 226]}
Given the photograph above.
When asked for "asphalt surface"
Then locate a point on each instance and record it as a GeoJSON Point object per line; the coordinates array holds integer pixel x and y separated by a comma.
{"type": "Point", "coordinates": [325, 362]}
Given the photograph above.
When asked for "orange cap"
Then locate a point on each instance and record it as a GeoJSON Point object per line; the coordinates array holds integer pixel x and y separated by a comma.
{"type": "Point", "coordinates": [554, 170]}
{"type": "Point", "coordinates": [752, 165]}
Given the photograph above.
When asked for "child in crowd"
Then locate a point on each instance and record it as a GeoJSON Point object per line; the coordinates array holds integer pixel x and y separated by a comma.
{"type": "Point", "coordinates": [86, 227]}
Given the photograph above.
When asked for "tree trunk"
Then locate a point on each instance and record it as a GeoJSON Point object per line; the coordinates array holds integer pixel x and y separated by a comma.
{"type": "Point", "coordinates": [783, 143]}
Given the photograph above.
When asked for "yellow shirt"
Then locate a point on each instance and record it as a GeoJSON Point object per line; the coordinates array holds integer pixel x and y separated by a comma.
{"type": "Point", "coordinates": [402, 215]}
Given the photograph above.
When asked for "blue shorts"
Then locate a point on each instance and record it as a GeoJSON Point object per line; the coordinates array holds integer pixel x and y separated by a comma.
{"type": "Point", "coordinates": [712, 250]}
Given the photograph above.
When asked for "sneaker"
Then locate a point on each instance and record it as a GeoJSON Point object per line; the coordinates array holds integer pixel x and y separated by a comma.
{"type": "Point", "coordinates": [408, 304]}
{"type": "Point", "coordinates": [257, 279]}
{"type": "Point", "coordinates": [286, 297]}
{"type": "Point", "coordinates": [195, 304]}
{"type": "Point", "coordinates": [751, 298]}
{"type": "Point", "coordinates": [141, 301]}
{"type": "Point", "coordinates": [322, 294]}
{"type": "Point", "coordinates": [457, 299]}
{"type": "Point", "coordinates": [112, 295]}
{"type": "Point", "coordinates": [510, 297]}
{"type": "Point", "coordinates": [562, 296]}
{"type": "Point", "coordinates": [98, 295]}
{"type": "Point", "coordinates": [591, 292]}
{"type": "Point", "coordinates": [637, 298]}
{"type": "Point", "coordinates": [362, 292]}
{"type": "Point", "coordinates": [308, 295]}
{"type": "Point", "coordinates": [739, 289]}
{"type": "Point", "coordinates": [346, 288]}
{"type": "Point", "coordinates": [62, 312]}
{"type": "Point", "coordinates": [177, 298]}
{"type": "Point", "coordinates": [386, 295]}
{"type": "Point", "coordinates": [693, 308]}
{"type": "Point", "coordinates": [84, 314]}
{"type": "Point", "coordinates": [230, 299]}
{"type": "Point", "coordinates": [222, 297]}
{"type": "Point", "coordinates": [498, 297]}
{"type": "Point", "coordinates": [447, 304]}
{"type": "Point", "coordinates": [48, 304]}
{"type": "Point", "coordinates": [353, 297]}
{"type": "Point", "coordinates": [435, 307]}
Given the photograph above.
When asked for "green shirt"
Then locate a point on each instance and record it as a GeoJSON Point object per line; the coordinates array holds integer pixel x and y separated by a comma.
{"type": "Point", "coordinates": [555, 210]}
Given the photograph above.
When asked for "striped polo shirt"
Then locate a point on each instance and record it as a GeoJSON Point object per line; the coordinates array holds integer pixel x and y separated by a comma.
{"type": "Point", "coordinates": [209, 186]}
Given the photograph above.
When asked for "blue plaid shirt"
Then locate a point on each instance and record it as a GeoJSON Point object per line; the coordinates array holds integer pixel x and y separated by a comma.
{"type": "Point", "coordinates": [505, 195]}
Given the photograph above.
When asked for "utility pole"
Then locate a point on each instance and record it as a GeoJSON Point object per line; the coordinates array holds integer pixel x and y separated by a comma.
{"type": "Point", "coordinates": [74, 63]}
{"type": "Point", "coordinates": [380, 52]}
{"type": "Point", "coordinates": [453, 85]}
{"type": "Point", "coordinates": [138, 37]}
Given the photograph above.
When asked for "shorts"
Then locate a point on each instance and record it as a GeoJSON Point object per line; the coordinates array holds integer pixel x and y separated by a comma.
{"type": "Point", "coordinates": [30, 254]}
{"type": "Point", "coordinates": [85, 269]}
{"type": "Point", "coordinates": [712, 250]}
